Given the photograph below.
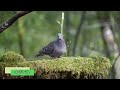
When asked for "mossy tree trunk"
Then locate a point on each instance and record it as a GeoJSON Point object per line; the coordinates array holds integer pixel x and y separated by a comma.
{"type": "Point", "coordinates": [59, 68]}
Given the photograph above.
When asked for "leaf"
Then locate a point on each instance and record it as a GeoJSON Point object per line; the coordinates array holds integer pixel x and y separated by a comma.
{"type": "Point", "coordinates": [58, 22]}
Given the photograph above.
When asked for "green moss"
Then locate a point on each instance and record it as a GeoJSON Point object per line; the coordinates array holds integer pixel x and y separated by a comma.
{"type": "Point", "coordinates": [64, 68]}
{"type": "Point", "coordinates": [11, 57]}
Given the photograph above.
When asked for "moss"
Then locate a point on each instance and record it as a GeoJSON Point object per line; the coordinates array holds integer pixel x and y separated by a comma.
{"type": "Point", "coordinates": [64, 68]}
{"type": "Point", "coordinates": [12, 57]}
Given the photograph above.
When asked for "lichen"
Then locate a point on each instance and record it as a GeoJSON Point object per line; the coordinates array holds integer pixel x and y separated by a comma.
{"type": "Point", "coordinates": [62, 68]}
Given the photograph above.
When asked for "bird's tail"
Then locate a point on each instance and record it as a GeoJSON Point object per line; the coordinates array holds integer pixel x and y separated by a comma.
{"type": "Point", "coordinates": [39, 54]}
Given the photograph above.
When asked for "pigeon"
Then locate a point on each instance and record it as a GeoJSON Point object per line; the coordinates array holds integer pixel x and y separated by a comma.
{"type": "Point", "coordinates": [55, 48]}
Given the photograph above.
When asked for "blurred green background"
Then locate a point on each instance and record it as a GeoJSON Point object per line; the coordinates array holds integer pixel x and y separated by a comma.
{"type": "Point", "coordinates": [33, 31]}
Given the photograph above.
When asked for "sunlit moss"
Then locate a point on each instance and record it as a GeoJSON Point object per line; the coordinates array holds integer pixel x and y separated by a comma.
{"type": "Point", "coordinates": [11, 57]}
{"type": "Point", "coordinates": [62, 68]}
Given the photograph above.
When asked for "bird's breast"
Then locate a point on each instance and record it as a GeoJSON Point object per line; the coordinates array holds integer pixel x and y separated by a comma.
{"type": "Point", "coordinates": [61, 49]}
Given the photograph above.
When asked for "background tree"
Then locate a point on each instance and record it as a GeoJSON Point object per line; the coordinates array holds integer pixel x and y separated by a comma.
{"type": "Point", "coordinates": [108, 36]}
{"type": "Point", "coordinates": [78, 32]}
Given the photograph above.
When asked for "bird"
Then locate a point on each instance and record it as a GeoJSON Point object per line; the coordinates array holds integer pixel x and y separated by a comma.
{"type": "Point", "coordinates": [55, 48]}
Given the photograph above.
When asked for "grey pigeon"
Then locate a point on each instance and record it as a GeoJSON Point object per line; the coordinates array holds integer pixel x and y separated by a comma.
{"type": "Point", "coordinates": [55, 48]}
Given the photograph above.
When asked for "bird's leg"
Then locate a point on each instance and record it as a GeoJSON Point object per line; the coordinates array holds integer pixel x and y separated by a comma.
{"type": "Point", "coordinates": [58, 57]}
{"type": "Point", "coordinates": [52, 57]}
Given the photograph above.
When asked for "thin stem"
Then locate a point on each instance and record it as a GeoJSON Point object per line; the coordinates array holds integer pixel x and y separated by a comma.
{"type": "Point", "coordinates": [62, 23]}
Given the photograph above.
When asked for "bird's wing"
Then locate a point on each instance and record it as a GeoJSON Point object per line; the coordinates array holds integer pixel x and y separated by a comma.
{"type": "Point", "coordinates": [48, 49]}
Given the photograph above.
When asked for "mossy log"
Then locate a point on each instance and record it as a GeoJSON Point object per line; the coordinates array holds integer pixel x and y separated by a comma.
{"type": "Point", "coordinates": [59, 68]}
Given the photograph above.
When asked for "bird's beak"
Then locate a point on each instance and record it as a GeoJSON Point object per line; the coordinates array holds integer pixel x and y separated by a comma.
{"type": "Point", "coordinates": [59, 38]}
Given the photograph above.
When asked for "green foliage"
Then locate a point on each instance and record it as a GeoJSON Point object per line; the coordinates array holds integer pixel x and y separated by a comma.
{"type": "Point", "coordinates": [60, 68]}
{"type": "Point", "coordinates": [38, 28]}
{"type": "Point", "coordinates": [11, 57]}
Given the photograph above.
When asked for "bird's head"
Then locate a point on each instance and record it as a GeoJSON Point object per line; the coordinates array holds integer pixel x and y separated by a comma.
{"type": "Point", "coordinates": [59, 36]}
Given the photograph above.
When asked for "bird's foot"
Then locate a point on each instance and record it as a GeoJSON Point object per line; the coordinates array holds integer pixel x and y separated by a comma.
{"type": "Point", "coordinates": [55, 57]}
{"type": "Point", "coordinates": [52, 57]}
{"type": "Point", "coordinates": [58, 57]}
